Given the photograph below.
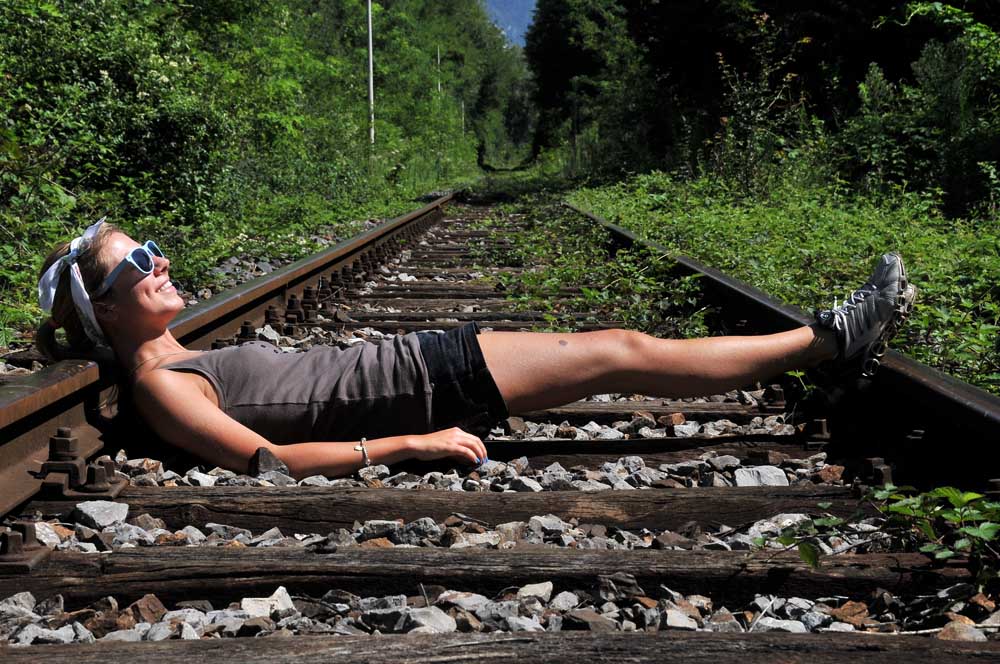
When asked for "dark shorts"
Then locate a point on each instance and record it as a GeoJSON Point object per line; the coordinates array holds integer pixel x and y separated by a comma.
{"type": "Point", "coordinates": [465, 394]}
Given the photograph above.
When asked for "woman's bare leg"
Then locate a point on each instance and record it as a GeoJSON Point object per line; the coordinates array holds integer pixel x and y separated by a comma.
{"type": "Point", "coordinates": [541, 370]}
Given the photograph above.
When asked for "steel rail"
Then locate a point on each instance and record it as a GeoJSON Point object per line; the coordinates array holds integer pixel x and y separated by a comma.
{"type": "Point", "coordinates": [916, 403]}
{"type": "Point", "coordinates": [67, 393]}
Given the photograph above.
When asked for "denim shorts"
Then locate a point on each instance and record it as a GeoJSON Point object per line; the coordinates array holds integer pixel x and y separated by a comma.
{"type": "Point", "coordinates": [464, 392]}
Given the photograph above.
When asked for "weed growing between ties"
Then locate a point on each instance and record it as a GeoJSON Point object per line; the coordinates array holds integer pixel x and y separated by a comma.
{"type": "Point", "coordinates": [561, 249]}
{"type": "Point", "coordinates": [807, 245]}
{"type": "Point", "coordinates": [943, 523]}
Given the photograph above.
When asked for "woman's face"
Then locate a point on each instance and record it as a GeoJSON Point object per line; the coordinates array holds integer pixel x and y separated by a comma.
{"type": "Point", "coordinates": [137, 296]}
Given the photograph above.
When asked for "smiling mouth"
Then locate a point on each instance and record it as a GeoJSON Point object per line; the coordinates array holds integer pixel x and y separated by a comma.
{"type": "Point", "coordinates": [165, 287]}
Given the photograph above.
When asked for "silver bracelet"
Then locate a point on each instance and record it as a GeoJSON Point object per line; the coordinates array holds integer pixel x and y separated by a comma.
{"type": "Point", "coordinates": [364, 452]}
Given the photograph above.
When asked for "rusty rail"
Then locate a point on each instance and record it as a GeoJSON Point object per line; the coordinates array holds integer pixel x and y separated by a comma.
{"type": "Point", "coordinates": [918, 410]}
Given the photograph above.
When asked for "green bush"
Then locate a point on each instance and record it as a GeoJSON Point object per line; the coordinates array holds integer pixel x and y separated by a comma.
{"type": "Point", "coordinates": [233, 125]}
{"type": "Point", "coordinates": [809, 244]}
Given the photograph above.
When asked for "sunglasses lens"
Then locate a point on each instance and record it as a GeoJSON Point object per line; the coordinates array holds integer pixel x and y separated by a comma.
{"type": "Point", "coordinates": [154, 248]}
{"type": "Point", "coordinates": [142, 260]}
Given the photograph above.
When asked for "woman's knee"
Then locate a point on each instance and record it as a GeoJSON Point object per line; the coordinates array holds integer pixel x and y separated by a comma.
{"type": "Point", "coordinates": [623, 350]}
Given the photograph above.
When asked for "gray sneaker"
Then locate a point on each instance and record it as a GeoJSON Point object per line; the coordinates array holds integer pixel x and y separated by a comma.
{"type": "Point", "coordinates": [871, 315]}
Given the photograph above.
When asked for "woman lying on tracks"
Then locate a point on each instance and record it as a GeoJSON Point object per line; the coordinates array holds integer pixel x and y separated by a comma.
{"type": "Point", "coordinates": [410, 397]}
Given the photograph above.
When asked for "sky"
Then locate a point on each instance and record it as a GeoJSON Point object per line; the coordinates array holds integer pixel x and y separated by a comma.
{"type": "Point", "coordinates": [514, 16]}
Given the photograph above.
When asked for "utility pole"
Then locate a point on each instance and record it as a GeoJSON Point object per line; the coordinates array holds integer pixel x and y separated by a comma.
{"type": "Point", "coordinates": [371, 79]}
{"type": "Point", "coordinates": [463, 117]}
{"type": "Point", "coordinates": [439, 69]}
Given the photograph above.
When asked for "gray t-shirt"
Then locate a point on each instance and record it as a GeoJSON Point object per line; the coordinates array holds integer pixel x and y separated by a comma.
{"type": "Point", "coordinates": [325, 393]}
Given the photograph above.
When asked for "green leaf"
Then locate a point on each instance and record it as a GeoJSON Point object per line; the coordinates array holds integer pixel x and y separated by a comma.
{"type": "Point", "coordinates": [985, 531]}
{"type": "Point", "coordinates": [944, 554]}
{"type": "Point", "coordinates": [927, 529]}
{"type": "Point", "coordinates": [809, 554]}
{"type": "Point", "coordinates": [824, 505]}
{"type": "Point", "coordinates": [828, 522]}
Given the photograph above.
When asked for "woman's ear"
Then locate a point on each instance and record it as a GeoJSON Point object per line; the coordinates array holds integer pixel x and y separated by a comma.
{"type": "Point", "coordinates": [105, 311]}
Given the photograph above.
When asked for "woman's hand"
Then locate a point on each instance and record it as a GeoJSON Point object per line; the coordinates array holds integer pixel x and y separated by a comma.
{"type": "Point", "coordinates": [448, 443]}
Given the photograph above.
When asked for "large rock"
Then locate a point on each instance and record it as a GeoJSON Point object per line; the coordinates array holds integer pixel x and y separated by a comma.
{"type": "Point", "coordinates": [519, 624]}
{"type": "Point", "coordinates": [761, 476]}
{"type": "Point", "coordinates": [429, 619]}
{"type": "Point", "coordinates": [37, 634]}
{"type": "Point", "coordinates": [542, 591]}
{"type": "Point", "coordinates": [676, 619]}
{"type": "Point", "coordinates": [588, 619]}
{"type": "Point", "coordinates": [956, 631]}
{"type": "Point", "coordinates": [147, 608]}
{"type": "Point", "coordinates": [468, 601]}
{"type": "Point", "coordinates": [264, 460]}
{"type": "Point", "coordinates": [525, 484]}
{"type": "Point", "coordinates": [261, 607]}
{"type": "Point", "coordinates": [564, 601]}
{"type": "Point", "coordinates": [768, 624]}
{"type": "Point", "coordinates": [17, 606]}
{"type": "Point", "coordinates": [100, 514]}
{"type": "Point", "coordinates": [548, 525]}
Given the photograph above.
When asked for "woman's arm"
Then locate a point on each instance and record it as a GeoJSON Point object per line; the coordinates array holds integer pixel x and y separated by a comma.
{"type": "Point", "coordinates": [188, 419]}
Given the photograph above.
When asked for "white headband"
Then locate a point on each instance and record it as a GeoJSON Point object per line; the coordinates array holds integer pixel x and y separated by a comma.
{"type": "Point", "coordinates": [81, 300]}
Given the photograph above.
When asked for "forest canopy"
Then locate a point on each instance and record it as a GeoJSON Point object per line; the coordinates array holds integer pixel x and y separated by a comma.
{"type": "Point", "coordinates": [897, 93]}
{"type": "Point", "coordinates": [211, 123]}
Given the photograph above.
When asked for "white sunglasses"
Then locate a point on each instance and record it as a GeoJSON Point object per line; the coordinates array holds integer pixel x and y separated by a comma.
{"type": "Point", "coordinates": [141, 258]}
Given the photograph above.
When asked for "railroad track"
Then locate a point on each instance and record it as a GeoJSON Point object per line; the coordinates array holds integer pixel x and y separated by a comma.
{"type": "Point", "coordinates": [536, 540]}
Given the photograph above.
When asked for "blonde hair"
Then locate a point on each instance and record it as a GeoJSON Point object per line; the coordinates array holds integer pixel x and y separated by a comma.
{"type": "Point", "coordinates": [93, 270]}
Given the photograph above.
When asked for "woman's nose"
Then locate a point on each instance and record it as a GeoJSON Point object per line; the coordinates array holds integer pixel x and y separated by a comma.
{"type": "Point", "coordinates": [161, 263]}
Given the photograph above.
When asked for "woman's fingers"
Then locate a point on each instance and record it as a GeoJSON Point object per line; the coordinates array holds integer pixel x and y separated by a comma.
{"type": "Point", "coordinates": [472, 444]}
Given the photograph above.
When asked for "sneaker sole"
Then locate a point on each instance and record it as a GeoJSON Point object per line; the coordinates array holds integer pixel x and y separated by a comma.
{"type": "Point", "coordinates": [905, 300]}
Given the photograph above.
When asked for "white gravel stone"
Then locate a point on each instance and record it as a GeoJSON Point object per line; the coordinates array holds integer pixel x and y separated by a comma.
{"type": "Point", "coordinates": [261, 607]}
{"type": "Point", "coordinates": [525, 484]}
{"type": "Point", "coordinates": [542, 591]}
{"type": "Point", "coordinates": [17, 606]}
{"type": "Point", "coordinates": [194, 535]}
{"type": "Point", "coordinates": [590, 486]}
{"type": "Point", "coordinates": [431, 620]}
{"type": "Point", "coordinates": [519, 624]}
{"type": "Point", "coordinates": [813, 620]}
{"type": "Point", "coordinates": [768, 624]}
{"type": "Point", "coordinates": [46, 535]}
{"type": "Point", "coordinates": [100, 514]}
{"type": "Point", "coordinates": [724, 462]}
{"type": "Point", "coordinates": [37, 634]}
{"type": "Point", "coordinates": [81, 634]}
{"type": "Point", "coordinates": [674, 619]}
{"type": "Point", "coordinates": [160, 631]}
{"type": "Point", "coordinates": [761, 476]}
{"type": "Point", "coordinates": [468, 601]}
{"type": "Point", "coordinates": [687, 429]}
{"type": "Point", "coordinates": [564, 601]}
{"type": "Point", "coordinates": [201, 479]}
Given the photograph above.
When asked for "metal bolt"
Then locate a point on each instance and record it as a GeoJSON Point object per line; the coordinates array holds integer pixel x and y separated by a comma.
{"type": "Point", "coordinates": [63, 446]}
{"type": "Point", "coordinates": [97, 479]}
{"type": "Point", "coordinates": [247, 331]}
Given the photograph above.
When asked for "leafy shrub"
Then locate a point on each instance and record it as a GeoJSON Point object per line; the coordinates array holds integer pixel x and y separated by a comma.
{"type": "Point", "coordinates": [807, 245]}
